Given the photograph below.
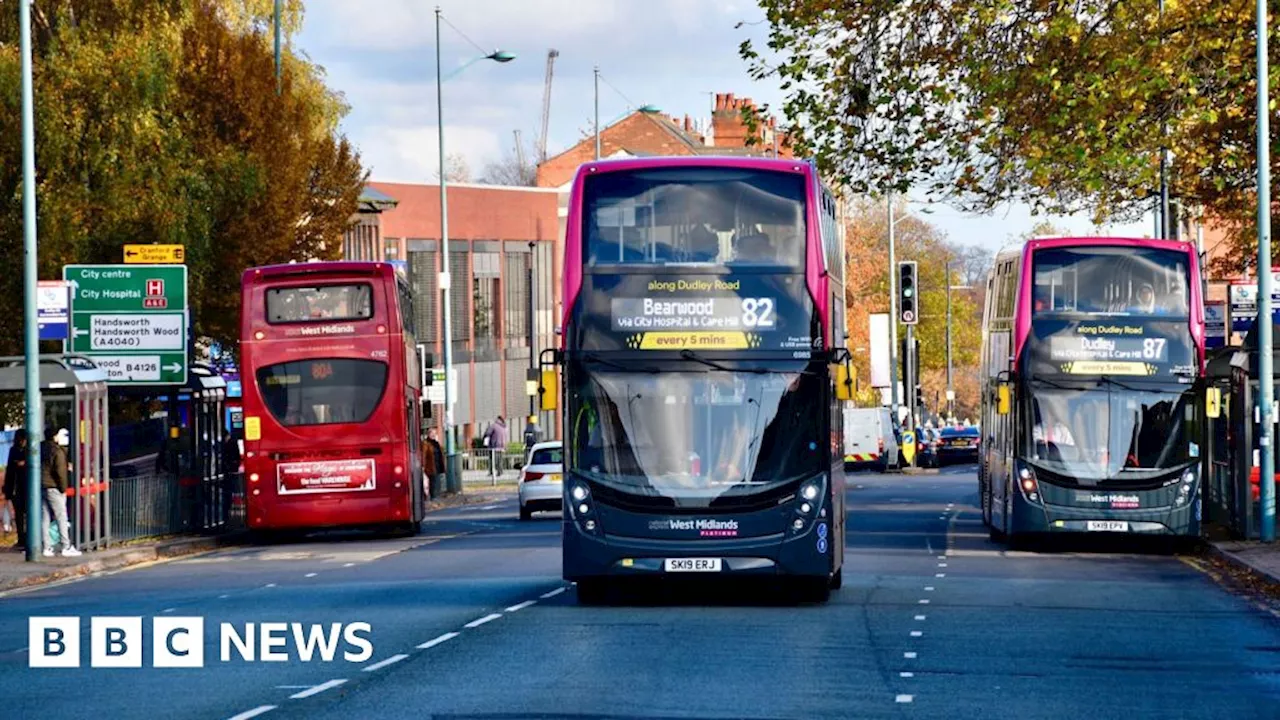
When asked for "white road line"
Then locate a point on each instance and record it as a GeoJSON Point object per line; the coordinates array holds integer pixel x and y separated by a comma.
{"type": "Point", "coordinates": [436, 641]}
{"type": "Point", "coordinates": [316, 690]}
{"type": "Point", "coordinates": [917, 633]}
{"type": "Point", "coordinates": [383, 663]}
{"type": "Point", "coordinates": [920, 618]}
{"type": "Point", "coordinates": [480, 621]}
{"type": "Point", "coordinates": [909, 655]}
{"type": "Point", "coordinates": [552, 594]}
{"type": "Point", "coordinates": [521, 606]}
{"type": "Point", "coordinates": [903, 699]}
{"type": "Point", "coordinates": [942, 557]}
{"type": "Point", "coordinates": [924, 602]}
{"type": "Point", "coordinates": [348, 565]}
{"type": "Point", "coordinates": [309, 575]}
{"type": "Point", "coordinates": [942, 564]}
{"type": "Point", "coordinates": [253, 713]}
{"type": "Point", "coordinates": [223, 597]}
{"type": "Point", "coordinates": [168, 610]}
{"type": "Point", "coordinates": [906, 674]}
{"type": "Point", "coordinates": [270, 585]}
{"type": "Point", "coordinates": [928, 588]}
{"type": "Point", "coordinates": [21, 649]}
{"type": "Point", "coordinates": [941, 575]}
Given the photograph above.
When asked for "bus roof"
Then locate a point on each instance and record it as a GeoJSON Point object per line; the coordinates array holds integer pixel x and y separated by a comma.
{"type": "Point", "coordinates": [326, 267]}
{"type": "Point", "coordinates": [723, 161]}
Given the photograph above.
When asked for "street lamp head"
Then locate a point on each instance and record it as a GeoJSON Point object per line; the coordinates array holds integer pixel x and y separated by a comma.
{"type": "Point", "coordinates": [649, 109]}
{"type": "Point", "coordinates": [501, 56]}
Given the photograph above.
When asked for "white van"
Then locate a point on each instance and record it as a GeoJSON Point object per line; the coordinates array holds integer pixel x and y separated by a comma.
{"type": "Point", "coordinates": [869, 439]}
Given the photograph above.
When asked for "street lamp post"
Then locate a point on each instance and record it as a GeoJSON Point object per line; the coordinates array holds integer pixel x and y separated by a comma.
{"type": "Point", "coordinates": [31, 331]}
{"type": "Point", "coordinates": [276, 22]}
{"type": "Point", "coordinates": [951, 393]}
{"type": "Point", "coordinates": [893, 317]}
{"type": "Point", "coordinates": [454, 481]}
{"type": "Point", "coordinates": [1266, 385]}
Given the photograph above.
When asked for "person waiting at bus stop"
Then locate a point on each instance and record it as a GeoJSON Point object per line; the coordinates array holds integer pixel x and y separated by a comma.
{"type": "Point", "coordinates": [15, 485]}
{"type": "Point", "coordinates": [54, 472]}
{"type": "Point", "coordinates": [433, 463]}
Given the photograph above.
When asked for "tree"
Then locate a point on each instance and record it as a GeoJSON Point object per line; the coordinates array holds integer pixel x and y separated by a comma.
{"type": "Point", "coordinates": [867, 290]}
{"type": "Point", "coordinates": [456, 169]}
{"type": "Point", "coordinates": [158, 121]}
{"type": "Point", "coordinates": [514, 168]}
{"type": "Point", "coordinates": [1066, 106]}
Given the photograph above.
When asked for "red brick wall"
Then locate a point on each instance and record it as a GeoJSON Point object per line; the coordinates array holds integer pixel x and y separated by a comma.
{"type": "Point", "coordinates": [475, 213]}
{"type": "Point", "coordinates": [637, 132]}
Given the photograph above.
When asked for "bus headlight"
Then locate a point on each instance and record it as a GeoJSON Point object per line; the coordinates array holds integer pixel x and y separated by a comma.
{"type": "Point", "coordinates": [809, 491]}
{"type": "Point", "coordinates": [1187, 487]}
{"type": "Point", "coordinates": [582, 510]}
{"type": "Point", "coordinates": [1027, 484]}
{"type": "Point", "coordinates": [809, 500]}
{"type": "Point", "coordinates": [579, 493]}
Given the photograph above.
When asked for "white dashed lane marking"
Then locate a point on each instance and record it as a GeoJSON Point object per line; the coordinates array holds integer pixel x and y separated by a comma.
{"type": "Point", "coordinates": [553, 593]}
{"type": "Point", "coordinates": [521, 606]}
{"type": "Point", "coordinates": [920, 618]}
{"type": "Point", "coordinates": [317, 689]}
{"type": "Point", "coordinates": [909, 655]}
{"type": "Point", "coordinates": [480, 621]}
{"type": "Point", "coordinates": [436, 641]}
{"type": "Point", "coordinates": [904, 699]}
{"type": "Point", "coordinates": [384, 663]}
{"type": "Point", "coordinates": [253, 713]}
{"type": "Point", "coordinates": [309, 575]}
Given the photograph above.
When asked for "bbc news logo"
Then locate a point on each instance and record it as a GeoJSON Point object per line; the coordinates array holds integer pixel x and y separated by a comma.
{"type": "Point", "coordinates": [179, 642]}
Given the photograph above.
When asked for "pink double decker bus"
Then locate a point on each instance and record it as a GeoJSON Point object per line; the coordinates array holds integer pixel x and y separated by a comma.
{"type": "Point", "coordinates": [703, 339]}
{"type": "Point", "coordinates": [1091, 420]}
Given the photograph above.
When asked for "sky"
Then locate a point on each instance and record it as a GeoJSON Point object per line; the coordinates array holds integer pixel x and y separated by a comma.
{"type": "Point", "coordinates": [669, 53]}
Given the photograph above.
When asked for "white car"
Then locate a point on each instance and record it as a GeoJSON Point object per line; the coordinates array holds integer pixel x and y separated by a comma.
{"type": "Point", "coordinates": [541, 479]}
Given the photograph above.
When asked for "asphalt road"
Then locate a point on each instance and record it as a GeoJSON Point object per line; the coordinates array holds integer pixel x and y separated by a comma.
{"type": "Point", "coordinates": [471, 620]}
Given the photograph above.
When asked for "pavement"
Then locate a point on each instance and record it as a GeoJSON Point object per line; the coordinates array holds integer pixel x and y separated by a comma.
{"type": "Point", "coordinates": [16, 572]}
{"type": "Point", "coordinates": [471, 620]}
{"type": "Point", "coordinates": [1259, 558]}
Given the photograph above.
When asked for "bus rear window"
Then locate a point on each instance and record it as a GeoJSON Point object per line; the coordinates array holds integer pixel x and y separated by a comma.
{"type": "Point", "coordinates": [319, 303]}
{"type": "Point", "coordinates": [1111, 280]}
{"type": "Point", "coordinates": [322, 392]}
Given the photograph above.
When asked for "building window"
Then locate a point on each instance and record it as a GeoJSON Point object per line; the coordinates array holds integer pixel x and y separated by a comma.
{"type": "Point", "coordinates": [484, 301]}
{"type": "Point", "coordinates": [392, 246]}
{"type": "Point", "coordinates": [516, 299]}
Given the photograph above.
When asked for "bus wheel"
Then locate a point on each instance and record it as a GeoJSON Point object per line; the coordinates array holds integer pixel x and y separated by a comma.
{"type": "Point", "coordinates": [593, 592]}
{"type": "Point", "coordinates": [837, 580]}
{"type": "Point", "coordinates": [814, 590]}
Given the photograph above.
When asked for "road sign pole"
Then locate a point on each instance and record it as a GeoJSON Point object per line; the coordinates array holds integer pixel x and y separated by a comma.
{"type": "Point", "coordinates": [1266, 385]}
{"type": "Point", "coordinates": [30, 269]}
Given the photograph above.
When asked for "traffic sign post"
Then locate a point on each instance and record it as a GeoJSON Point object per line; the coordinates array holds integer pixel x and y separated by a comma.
{"type": "Point", "coordinates": [131, 320]}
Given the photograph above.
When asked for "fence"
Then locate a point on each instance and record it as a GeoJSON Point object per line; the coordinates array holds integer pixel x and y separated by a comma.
{"type": "Point", "coordinates": [480, 467]}
{"type": "Point", "coordinates": [164, 504]}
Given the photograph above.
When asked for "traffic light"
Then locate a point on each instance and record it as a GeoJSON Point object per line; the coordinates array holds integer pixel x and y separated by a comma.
{"type": "Point", "coordinates": [919, 396]}
{"type": "Point", "coordinates": [908, 293]}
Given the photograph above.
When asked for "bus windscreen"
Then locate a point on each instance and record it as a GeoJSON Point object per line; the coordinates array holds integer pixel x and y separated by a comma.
{"type": "Point", "coordinates": [674, 216]}
{"type": "Point", "coordinates": [322, 391]}
{"type": "Point", "coordinates": [319, 303]}
{"type": "Point", "coordinates": [1129, 281]}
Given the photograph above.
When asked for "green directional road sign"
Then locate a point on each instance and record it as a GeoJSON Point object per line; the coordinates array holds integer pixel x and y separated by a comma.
{"type": "Point", "coordinates": [131, 320]}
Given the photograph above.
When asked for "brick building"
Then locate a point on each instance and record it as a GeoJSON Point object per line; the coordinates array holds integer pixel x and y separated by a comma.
{"type": "Point", "coordinates": [497, 235]}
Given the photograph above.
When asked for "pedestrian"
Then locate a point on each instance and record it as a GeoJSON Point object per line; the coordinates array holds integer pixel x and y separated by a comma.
{"type": "Point", "coordinates": [531, 433]}
{"type": "Point", "coordinates": [15, 485]}
{"type": "Point", "coordinates": [495, 438]}
{"type": "Point", "coordinates": [53, 480]}
{"type": "Point", "coordinates": [436, 459]}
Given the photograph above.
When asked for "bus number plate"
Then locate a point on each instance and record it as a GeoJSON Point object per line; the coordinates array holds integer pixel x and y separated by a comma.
{"type": "Point", "coordinates": [1108, 526]}
{"type": "Point", "coordinates": [692, 564]}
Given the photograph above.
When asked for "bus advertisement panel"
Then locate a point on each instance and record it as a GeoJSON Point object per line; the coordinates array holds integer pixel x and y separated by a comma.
{"type": "Point", "coordinates": [702, 430]}
{"type": "Point", "coordinates": [1091, 422]}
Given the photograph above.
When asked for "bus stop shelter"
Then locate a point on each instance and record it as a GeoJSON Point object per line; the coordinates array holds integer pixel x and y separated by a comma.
{"type": "Point", "coordinates": [73, 394]}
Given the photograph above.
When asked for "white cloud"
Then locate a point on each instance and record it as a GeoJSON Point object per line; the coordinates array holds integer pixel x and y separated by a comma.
{"type": "Point", "coordinates": [411, 154]}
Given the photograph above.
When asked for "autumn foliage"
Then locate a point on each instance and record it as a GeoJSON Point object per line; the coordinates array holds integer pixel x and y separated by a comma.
{"type": "Point", "coordinates": [159, 121]}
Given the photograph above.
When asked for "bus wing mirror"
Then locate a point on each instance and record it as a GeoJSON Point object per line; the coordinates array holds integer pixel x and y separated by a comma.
{"type": "Point", "coordinates": [1213, 402]}
{"type": "Point", "coordinates": [548, 390]}
{"type": "Point", "coordinates": [1002, 399]}
{"type": "Point", "coordinates": [844, 381]}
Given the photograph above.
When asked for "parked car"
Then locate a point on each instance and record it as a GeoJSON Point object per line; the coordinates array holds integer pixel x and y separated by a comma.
{"type": "Point", "coordinates": [542, 479]}
{"type": "Point", "coordinates": [959, 444]}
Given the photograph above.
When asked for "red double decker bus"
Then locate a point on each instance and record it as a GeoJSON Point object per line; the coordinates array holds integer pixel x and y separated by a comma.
{"type": "Point", "coordinates": [332, 418]}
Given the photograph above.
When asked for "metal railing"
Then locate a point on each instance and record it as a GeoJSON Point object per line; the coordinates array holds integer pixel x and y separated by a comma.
{"type": "Point", "coordinates": [480, 467]}
{"type": "Point", "coordinates": [164, 504]}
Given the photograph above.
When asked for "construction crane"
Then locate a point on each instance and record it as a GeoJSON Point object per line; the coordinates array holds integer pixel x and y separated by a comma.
{"type": "Point", "coordinates": [519, 151]}
{"type": "Point", "coordinates": [552, 54]}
